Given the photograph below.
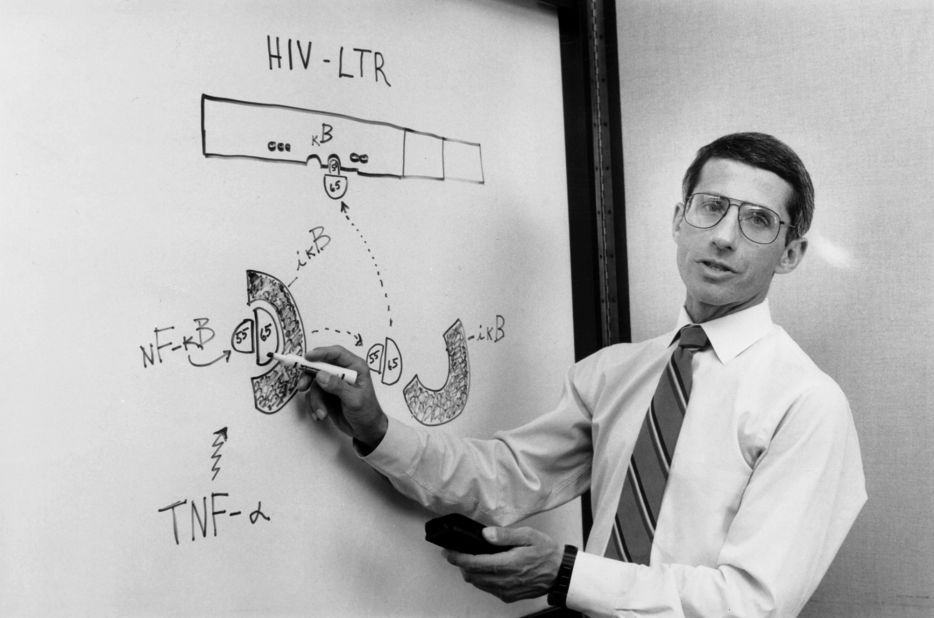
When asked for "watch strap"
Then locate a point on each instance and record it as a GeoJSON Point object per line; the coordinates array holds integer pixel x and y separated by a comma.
{"type": "Point", "coordinates": [558, 594]}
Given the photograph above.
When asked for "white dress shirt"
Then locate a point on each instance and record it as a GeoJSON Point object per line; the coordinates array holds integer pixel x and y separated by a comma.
{"type": "Point", "coordinates": [764, 486]}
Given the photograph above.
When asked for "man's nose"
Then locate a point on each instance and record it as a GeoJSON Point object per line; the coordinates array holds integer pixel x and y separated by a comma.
{"type": "Point", "coordinates": [726, 233]}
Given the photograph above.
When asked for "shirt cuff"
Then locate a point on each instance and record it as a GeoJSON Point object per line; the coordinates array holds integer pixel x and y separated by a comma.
{"type": "Point", "coordinates": [397, 452]}
{"type": "Point", "coordinates": [605, 587]}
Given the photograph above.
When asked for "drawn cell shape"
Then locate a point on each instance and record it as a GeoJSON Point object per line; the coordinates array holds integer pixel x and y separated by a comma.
{"type": "Point", "coordinates": [385, 359]}
{"type": "Point", "coordinates": [273, 389]}
{"type": "Point", "coordinates": [436, 407]}
{"type": "Point", "coordinates": [241, 340]}
{"type": "Point", "coordinates": [335, 184]}
{"type": "Point", "coordinates": [267, 335]}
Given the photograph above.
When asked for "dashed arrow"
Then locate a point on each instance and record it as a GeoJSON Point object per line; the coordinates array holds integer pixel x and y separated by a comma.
{"type": "Point", "coordinates": [345, 208]}
{"type": "Point", "coordinates": [357, 337]}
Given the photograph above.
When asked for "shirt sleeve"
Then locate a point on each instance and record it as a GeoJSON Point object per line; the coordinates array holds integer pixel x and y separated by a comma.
{"type": "Point", "coordinates": [517, 473]}
{"type": "Point", "coordinates": [803, 496]}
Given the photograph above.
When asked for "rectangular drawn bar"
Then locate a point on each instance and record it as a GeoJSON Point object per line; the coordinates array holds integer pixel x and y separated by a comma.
{"type": "Point", "coordinates": [282, 133]}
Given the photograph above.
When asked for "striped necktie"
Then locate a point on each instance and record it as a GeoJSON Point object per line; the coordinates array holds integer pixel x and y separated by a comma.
{"type": "Point", "coordinates": [644, 487]}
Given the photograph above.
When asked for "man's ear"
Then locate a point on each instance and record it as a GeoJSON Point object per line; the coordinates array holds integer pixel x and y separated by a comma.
{"type": "Point", "coordinates": [792, 256]}
{"type": "Point", "coordinates": [677, 219]}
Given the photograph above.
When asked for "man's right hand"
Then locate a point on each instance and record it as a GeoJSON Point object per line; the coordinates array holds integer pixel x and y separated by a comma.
{"type": "Point", "coordinates": [353, 408]}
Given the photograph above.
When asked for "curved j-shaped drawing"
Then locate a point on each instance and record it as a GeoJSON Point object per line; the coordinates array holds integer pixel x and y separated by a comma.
{"type": "Point", "coordinates": [273, 389]}
{"type": "Point", "coordinates": [436, 407]}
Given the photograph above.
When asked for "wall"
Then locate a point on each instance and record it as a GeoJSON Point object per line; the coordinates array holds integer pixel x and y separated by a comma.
{"type": "Point", "coordinates": [157, 242]}
{"type": "Point", "coordinates": [848, 85]}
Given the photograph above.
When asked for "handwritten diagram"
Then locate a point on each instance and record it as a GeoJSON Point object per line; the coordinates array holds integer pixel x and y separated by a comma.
{"type": "Point", "coordinates": [340, 145]}
{"type": "Point", "coordinates": [338, 142]}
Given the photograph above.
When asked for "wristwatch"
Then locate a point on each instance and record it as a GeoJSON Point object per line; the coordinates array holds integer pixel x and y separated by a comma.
{"type": "Point", "coordinates": [558, 594]}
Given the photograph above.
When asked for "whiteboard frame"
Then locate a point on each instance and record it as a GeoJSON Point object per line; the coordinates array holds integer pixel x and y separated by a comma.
{"type": "Point", "coordinates": [590, 85]}
{"type": "Point", "coordinates": [593, 144]}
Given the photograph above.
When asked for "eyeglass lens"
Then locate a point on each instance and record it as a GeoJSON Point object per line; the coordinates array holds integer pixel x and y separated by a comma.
{"type": "Point", "coordinates": [758, 223]}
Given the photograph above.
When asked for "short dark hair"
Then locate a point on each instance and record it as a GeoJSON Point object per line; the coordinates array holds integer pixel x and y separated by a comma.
{"type": "Point", "coordinates": [768, 153]}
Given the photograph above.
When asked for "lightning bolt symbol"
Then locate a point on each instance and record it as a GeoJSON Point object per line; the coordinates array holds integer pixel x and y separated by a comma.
{"type": "Point", "coordinates": [218, 443]}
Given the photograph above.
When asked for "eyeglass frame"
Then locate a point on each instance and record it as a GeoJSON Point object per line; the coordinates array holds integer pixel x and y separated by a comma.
{"type": "Point", "coordinates": [739, 205]}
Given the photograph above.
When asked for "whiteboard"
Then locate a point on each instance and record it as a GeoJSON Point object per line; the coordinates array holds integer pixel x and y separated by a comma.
{"type": "Point", "coordinates": [187, 186]}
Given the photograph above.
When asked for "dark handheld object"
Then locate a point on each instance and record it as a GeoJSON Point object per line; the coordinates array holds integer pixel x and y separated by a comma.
{"type": "Point", "coordinates": [460, 533]}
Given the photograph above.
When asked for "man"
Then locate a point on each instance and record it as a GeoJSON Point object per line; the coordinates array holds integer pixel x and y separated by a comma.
{"type": "Point", "coordinates": [766, 477]}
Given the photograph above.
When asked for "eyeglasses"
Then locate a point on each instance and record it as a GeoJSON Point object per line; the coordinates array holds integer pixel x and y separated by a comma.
{"type": "Point", "coordinates": [757, 223]}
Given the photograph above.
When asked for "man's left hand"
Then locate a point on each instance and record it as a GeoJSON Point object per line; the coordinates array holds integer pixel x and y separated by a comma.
{"type": "Point", "coordinates": [526, 571]}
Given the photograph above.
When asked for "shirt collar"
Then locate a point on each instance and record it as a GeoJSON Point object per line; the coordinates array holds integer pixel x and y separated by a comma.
{"type": "Point", "coordinates": [733, 333]}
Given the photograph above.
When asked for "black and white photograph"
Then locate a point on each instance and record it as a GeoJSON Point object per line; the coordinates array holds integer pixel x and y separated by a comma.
{"type": "Point", "coordinates": [467, 308]}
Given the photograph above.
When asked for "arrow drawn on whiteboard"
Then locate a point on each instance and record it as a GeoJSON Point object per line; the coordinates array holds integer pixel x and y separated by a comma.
{"type": "Point", "coordinates": [225, 355]}
{"type": "Point", "coordinates": [357, 337]}
{"type": "Point", "coordinates": [345, 208]}
{"type": "Point", "coordinates": [218, 443]}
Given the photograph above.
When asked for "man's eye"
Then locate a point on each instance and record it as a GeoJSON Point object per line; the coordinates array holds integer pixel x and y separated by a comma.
{"type": "Point", "coordinates": [759, 218]}
{"type": "Point", "coordinates": [712, 205]}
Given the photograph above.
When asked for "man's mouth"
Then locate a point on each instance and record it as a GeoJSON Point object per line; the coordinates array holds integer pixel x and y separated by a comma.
{"type": "Point", "coordinates": [717, 266]}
